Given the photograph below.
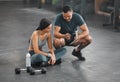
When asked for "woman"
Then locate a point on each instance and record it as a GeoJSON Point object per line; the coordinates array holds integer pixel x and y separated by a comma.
{"type": "Point", "coordinates": [38, 39]}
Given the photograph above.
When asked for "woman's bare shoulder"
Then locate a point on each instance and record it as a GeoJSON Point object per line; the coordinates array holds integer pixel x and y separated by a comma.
{"type": "Point", "coordinates": [34, 34]}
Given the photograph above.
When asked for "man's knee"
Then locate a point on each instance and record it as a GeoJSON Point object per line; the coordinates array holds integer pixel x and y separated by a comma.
{"type": "Point", "coordinates": [89, 39]}
{"type": "Point", "coordinates": [58, 42]}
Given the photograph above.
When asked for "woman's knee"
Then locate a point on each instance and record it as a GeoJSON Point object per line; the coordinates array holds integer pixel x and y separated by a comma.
{"type": "Point", "coordinates": [41, 58]}
{"type": "Point", "coordinates": [38, 58]}
{"type": "Point", "coordinates": [61, 50]}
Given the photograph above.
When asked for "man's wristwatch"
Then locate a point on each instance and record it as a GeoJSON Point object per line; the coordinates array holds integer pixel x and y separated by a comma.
{"type": "Point", "coordinates": [49, 55]}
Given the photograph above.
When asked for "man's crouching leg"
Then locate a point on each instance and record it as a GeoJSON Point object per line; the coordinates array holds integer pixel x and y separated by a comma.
{"type": "Point", "coordinates": [58, 43]}
{"type": "Point", "coordinates": [82, 44]}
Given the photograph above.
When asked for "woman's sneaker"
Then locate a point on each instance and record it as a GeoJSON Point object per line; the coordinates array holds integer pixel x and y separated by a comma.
{"type": "Point", "coordinates": [44, 64]}
{"type": "Point", "coordinates": [59, 61]}
{"type": "Point", "coordinates": [78, 55]}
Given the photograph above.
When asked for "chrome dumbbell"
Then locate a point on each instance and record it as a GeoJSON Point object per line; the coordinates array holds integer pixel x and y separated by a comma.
{"type": "Point", "coordinates": [18, 70]}
{"type": "Point", "coordinates": [34, 71]}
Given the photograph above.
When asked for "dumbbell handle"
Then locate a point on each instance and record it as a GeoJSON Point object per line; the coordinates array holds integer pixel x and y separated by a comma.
{"type": "Point", "coordinates": [23, 69]}
{"type": "Point", "coordinates": [37, 70]}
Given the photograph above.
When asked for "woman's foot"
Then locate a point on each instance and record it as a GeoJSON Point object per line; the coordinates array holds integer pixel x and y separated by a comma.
{"type": "Point", "coordinates": [59, 61]}
{"type": "Point", "coordinates": [44, 64]}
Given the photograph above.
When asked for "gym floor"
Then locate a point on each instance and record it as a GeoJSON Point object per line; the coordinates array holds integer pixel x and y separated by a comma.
{"type": "Point", "coordinates": [18, 21]}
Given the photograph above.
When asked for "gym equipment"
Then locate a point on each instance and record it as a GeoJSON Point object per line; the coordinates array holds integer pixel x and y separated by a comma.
{"type": "Point", "coordinates": [29, 69]}
{"type": "Point", "coordinates": [114, 18]}
{"type": "Point", "coordinates": [18, 70]}
{"type": "Point", "coordinates": [42, 71]}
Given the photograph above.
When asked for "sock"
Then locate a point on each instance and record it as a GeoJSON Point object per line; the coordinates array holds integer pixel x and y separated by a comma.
{"type": "Point", "coordinates": [75, 49]}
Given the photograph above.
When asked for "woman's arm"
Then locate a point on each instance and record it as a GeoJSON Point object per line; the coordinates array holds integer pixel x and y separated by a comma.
{"type": "Point", "coordinates": [49, 41]}
{"type": "Point", "coordinates": [50, 46]}
{"type": "Point", "coordinates": [35, 44]}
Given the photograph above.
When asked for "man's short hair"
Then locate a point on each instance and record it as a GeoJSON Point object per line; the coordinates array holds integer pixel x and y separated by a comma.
{"type": "Point", "coordinates": [67, 8]}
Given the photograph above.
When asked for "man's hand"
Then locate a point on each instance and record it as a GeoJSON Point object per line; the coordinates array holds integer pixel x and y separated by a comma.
{"type": "Point", "coordinates": [76, 40]}
{"type": "Point", "coordinates": [67, 36]}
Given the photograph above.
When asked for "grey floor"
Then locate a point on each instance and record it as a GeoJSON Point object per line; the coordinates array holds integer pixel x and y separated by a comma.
{"type": "Point", "coordinates": [18, 21]}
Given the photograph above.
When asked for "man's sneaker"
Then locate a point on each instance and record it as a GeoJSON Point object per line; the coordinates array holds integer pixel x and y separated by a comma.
{"type": "Point", "coordinates": [78, 55]}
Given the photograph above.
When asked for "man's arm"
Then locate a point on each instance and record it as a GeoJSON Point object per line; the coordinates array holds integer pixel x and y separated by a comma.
{"type": "Point", "coordinates": [57, 33]}
{"type": "Point", "coordinates": [85, 31]}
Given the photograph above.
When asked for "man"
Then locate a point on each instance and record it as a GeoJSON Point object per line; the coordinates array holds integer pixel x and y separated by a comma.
{"type": "Point", "coordinates": [66, 24]}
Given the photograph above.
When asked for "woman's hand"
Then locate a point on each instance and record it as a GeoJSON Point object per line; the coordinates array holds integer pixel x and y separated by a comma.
{"type": "Point", "coordinates": [52, 59]}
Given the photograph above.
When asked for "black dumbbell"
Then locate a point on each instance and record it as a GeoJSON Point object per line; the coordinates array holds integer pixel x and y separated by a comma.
{"type": "Point", "coordinates": [18, 70]}
{"type": "Point", "coordinates": [42, 71]}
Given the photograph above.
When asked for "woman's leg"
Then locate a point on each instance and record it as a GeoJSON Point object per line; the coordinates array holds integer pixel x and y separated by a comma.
{"type": "Point", "coordinates": [37, 58]}
{"type": "Point", "coordinates": [60, 52]}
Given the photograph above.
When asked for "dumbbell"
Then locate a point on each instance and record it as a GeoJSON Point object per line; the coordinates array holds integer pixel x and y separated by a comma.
{"type": "Point", "coordinates": [34, 71]}
{"type": "Point", "coordinates": [18, 70]}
